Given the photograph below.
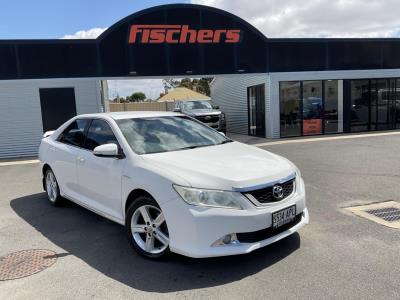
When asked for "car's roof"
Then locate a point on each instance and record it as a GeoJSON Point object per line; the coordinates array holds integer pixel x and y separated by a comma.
{"type": "Point", "coordinates": [132, 114]}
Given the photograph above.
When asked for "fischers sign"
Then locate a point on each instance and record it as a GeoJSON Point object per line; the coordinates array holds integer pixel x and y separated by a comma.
{"type": "Point", "coordinates": [181, 34]}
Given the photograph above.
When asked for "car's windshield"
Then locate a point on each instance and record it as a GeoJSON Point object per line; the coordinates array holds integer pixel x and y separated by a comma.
{"type": "Point", "coordinates": [162, 134]}
{"type": "Point", "coordinates": [189, 105]}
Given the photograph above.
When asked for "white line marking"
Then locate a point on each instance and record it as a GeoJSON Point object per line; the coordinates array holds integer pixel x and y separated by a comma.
{"type": "Point", "coordinates": [19, 162]}
{"type": "Point", "coordinates": [330, 138]}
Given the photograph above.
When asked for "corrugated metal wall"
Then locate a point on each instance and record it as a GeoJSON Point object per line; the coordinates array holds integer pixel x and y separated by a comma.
{"type": "Point", "coordinates": [20, 113]}
{"type": "Point", "coordinates": [230, 93]}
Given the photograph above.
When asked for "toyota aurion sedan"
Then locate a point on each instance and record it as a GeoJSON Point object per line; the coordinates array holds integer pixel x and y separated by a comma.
{"type": "Point", "coordinates": [176, 184]}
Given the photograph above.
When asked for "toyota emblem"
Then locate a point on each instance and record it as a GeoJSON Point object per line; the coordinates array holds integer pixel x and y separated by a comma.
{"type": "Point", "coordinates": [277, 191]}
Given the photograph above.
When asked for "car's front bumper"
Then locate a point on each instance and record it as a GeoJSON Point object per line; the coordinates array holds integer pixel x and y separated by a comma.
{"type": "Point", "coordinates": [193, 230]}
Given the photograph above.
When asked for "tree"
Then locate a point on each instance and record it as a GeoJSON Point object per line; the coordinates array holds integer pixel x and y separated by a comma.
{"type": "Point", "coordinates": [203, 86]}
{"type": "Point", "coordinates": [136, 97]}
{"type": "Point", "coordinates": [119, 99]}
{"type": "Point", "coordinates": [187, 83]}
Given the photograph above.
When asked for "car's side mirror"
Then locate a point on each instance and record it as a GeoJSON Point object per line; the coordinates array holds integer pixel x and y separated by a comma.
{"type": "Point", "coordinates": [222, 133]}
{"type": "Point", "coordinates": [216, 107]}
{"type": "Point", "coordinates": [107, 150]}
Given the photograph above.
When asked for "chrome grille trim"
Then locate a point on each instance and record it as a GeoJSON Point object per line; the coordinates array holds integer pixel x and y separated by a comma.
{"type": "Point", "coordinates": [264, 196]}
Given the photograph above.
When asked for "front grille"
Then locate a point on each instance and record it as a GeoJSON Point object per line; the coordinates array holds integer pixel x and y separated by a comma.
{"type": "Point", "coordinates": [266, 195]}
{"type": "Point", "coordinates": [256, 236]}
{"type": "Point", "coordinates": [208, 119]}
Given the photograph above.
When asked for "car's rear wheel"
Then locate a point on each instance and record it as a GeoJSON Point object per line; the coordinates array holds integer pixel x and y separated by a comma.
{"type": "Point", "coordinates": [146, 228]}
{"type": "Point", "coordinates": [52, 189]}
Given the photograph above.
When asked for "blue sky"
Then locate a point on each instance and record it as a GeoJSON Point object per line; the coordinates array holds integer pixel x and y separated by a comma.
{"type": "Point", "coordinates": [39, 19]}
{"type": "Point", "coordinates": [276, 18]}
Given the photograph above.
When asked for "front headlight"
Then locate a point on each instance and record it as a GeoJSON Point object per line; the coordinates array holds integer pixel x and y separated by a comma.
{"type": "Point", "coordinates": [213, 198]}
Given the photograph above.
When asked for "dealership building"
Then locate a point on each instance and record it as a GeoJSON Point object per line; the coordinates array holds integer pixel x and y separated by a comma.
{"type": "Point", "coordinates": [267, 87]}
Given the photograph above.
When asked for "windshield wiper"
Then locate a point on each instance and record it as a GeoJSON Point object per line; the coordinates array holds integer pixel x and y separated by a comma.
{"type": "Point", "coordinates": [200, 146]}
{"type": "Point", "coordinates": [192, 147]}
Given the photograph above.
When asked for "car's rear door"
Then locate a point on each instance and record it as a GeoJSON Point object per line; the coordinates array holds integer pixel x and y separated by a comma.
{"type": "Point", "coordinates": [62, 154]}
{"type": "Point", "coordinates": [100, 177]}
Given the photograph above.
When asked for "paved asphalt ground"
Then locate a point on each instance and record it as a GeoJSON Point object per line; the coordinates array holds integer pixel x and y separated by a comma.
{"type": "Point", "coordinates": [337, 256]}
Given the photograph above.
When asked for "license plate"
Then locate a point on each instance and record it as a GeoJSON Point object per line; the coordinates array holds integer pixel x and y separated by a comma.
{"type": "Point", "coordinates": [283, 216]}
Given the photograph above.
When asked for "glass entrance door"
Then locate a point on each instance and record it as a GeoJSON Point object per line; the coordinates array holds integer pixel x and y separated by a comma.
{"type": "Point", "coordinates": [256, 110]}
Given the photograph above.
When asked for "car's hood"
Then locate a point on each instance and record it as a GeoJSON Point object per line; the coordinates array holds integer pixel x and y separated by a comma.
{"type": "Point", "coordinates": [202, 112]}
{"type": "Point", "coordinates": [229, 166]}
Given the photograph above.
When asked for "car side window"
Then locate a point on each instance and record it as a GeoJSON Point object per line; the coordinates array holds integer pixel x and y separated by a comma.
{"type": "Point", "coordinates": [74, 134]}
{"type": "Point", "coordinates": [99, 133]}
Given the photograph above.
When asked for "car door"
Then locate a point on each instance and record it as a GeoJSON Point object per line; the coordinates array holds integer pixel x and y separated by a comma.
{"type": "Point", "coordinates": [62, 154]}
{"type": "Point", "coordinates": [99, 178]}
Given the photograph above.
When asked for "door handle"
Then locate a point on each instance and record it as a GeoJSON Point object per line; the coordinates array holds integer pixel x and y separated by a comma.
{"type": "Point", "coordinates": [52, 148]}
{"type": "Point", "coordinates": [80, 159]}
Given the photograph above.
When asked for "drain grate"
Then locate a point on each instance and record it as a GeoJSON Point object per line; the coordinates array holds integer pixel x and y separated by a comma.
{"type": "Point", "coordinates": [25, 263]}
{"type": "Point", "coordinates": [390, 214]}
{"type": "Point", "coordinates": [385, 213]}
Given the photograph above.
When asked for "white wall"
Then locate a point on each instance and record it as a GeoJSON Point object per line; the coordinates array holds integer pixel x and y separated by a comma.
{"type": "Point", "coordinates": [20, 113]}
{"type": "Point", "coordinates": [230, 93]}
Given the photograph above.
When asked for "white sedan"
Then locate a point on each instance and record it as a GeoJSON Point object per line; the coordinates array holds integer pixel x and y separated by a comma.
{"type": "Point", "coordinates": [174, 183]}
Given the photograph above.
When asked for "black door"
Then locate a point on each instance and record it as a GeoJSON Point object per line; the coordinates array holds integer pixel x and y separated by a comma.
{"type": "Point", "coordinates": [58, 106]}
{"type": "Point", "coordinates": [256, 110]}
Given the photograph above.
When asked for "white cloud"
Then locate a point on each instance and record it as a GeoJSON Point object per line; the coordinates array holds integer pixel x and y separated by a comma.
{"type": "Point", "coordinates": [151, 87]}
{"type": "Point", "coordinates": [316, 18]}
{"type": "Point", "coordinates": [85, 34]}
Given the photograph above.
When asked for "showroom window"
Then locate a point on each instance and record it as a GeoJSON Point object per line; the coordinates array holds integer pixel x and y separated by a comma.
{"type": "Point", "coordinates": [359, 105]}
{"type": "Point", "coordinates": [333, 111]}
{"type": "Point", "coordinates": [311, 107]}
{"type": "Point", "coordinates": [290, 108]}
{"type": "Point", "coordinates": [395, 119]}
{"type": "Point", "coordinates": [375, 104]}
{"type": "Point", "coordinates": [380, 100]}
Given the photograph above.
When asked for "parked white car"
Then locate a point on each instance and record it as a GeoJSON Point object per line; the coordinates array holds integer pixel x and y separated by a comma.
{"type": "Point", "coordinates": [176, 184]}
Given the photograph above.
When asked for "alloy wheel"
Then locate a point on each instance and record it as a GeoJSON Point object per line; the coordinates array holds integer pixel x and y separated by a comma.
{"type": "Point", "coordinates": [51, 186]}
{"type": "Point", "coordinates": [149, 229]}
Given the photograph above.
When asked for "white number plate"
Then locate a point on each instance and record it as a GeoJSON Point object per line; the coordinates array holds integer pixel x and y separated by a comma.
{"type": "Point", "coordinates": [283, 216]}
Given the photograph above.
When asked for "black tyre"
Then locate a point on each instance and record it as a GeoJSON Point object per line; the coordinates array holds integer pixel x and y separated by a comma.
{"type": "Point", "coordinates": [52, 188]}
{"type": "Point", "coordinates": [146, 228]}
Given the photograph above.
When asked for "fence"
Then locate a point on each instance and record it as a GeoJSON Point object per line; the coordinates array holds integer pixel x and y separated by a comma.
{"type": "Point", "coordinates": [142, 106]}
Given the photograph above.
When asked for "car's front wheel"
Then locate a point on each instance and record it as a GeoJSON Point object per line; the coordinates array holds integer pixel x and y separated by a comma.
{"type": "Point", "coordinates": [52, 189]}
{"type": "Point", "coordinates": [146, 228]}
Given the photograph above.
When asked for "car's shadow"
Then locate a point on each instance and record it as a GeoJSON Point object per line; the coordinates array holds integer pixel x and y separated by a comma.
{"type": "Point", "coordinates": [103, 245]}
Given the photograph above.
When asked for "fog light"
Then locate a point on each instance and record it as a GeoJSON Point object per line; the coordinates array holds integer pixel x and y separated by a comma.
{"type": "Point", "coordinates": [229, 239]}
